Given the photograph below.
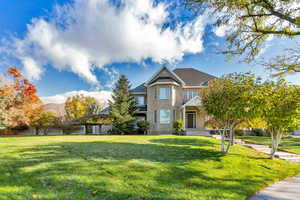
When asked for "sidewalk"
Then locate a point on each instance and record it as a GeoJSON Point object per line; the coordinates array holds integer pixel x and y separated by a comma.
{"type": "Point", "coordinates": [292, 157]}
{"type": "Point", "coordinates": [288, 189]}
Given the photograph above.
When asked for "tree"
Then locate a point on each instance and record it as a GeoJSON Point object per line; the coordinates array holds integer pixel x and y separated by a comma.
{"type": "Point", "coordinates": [230, 100]}
{"type": "Point", "coordinates": [178, 126]}
{"type": "Point", "coordinates": [93, 108]}
{"type": "Point", "coordinates": [143, 126]}
{"type": "Point", "coordinates": [4, 118]}
{"type": "Point", "coordinates": [20, 101]}
{"type": "Point", "coordinates": [77, 106]}
{"type": "Point", "coordinates": [123, 107]}
{"type": "Point", "coordinates": [287, 63]}
{"type": "Point", "coordinates": [249, 24]}
{"type": "Point", "coordinates": [80, 108]}
{"type": "Point", "coordinates": [45, 120]}
{"type": "Point", "coordinates": [281, 110]}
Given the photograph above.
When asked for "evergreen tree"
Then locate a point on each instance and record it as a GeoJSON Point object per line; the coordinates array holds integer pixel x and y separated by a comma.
{"type": "Point", "coordinates": [123, 108]}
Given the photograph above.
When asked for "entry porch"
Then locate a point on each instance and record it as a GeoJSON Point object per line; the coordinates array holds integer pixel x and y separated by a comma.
{"type": "Point", "coordinates": [193, 117]}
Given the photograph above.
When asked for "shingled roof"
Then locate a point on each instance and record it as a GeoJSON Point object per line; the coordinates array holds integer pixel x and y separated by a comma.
{"type": "Point", "coordinates": [139, 89]}
{"type": "Point", "coordinates": [193, 77]}
{"type": "Point", "coordinates": [190, 76]}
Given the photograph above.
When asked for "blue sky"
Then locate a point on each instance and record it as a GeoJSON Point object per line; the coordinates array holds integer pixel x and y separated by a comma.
{"type": "Point", "coordinates": [138, 58]}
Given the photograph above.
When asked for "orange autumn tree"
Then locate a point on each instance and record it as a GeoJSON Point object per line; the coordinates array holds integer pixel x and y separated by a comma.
{"type": "Point", "coordinates": [21, 102]}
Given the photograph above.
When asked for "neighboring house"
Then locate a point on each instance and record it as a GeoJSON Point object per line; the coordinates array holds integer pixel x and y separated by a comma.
{"type": "Point", "coordinates": [297, 132]}
{"type": "Point", "coordinates": [172, 95]}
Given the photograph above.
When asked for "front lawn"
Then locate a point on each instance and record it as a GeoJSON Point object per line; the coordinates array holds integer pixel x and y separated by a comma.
{"type": "Point", "coordinates": [287, 144]}
{"type": "Point", "coordinates": [132, 167]}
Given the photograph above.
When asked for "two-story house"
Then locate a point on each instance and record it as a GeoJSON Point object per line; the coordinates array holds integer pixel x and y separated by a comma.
{"type": "Point", "coordinates": [172, 95]}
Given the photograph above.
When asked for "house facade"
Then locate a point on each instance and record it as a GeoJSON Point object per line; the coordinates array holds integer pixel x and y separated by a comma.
{"type": "Point", "coordinates": [171, 95]}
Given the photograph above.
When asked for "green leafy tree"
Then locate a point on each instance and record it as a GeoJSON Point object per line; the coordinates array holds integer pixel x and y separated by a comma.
{"type": "Point", "coordinates": [123, 107]}
{"type": "Point", "coordinates": [44, 121]}
{"type": "Point", "coordinates": [143, 126]}
{"type": "Point", "coordinates": [281, 110]}
{"type": "Point", "coordinates": [82, 109]}
{"type": "Point", "coordinates": [230, 100]}
{"type": "Point", "coordinates": [249, 23]}
{"type": "Point", "coordinates": [93, 108]}
{"type": "Point", "coordinates": [77, 106]}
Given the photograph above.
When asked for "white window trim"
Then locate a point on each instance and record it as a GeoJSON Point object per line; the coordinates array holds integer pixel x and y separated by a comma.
{"type": "Point", "coordinates": [169, 94]}
{"type": "Point", "coordinates": [190, 94]}
{"type": "Point", "coordinates": [164, 83]}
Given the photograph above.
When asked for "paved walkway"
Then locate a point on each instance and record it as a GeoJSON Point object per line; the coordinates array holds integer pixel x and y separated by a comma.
{"type": "Point", "coordinates": [291, 157]}
{"type": "Point", "coordinates": [288, 189]}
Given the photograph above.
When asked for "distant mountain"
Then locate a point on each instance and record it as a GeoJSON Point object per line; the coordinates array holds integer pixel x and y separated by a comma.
{"type": "Point", "coordinates": [59, 109]}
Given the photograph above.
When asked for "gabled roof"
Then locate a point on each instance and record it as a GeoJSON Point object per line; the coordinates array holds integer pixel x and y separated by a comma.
{"type": "Point", "coordinates": [105, 111]}
{"type": "Point", "coordinates": [195, 101]}
{"type": "Point", "coordinates": [139, 89]}
{"type": "Point", "coordinates": [193, 77]}
{"type": "Point", "coordinates": [185, 76]}
{"type": "Point", "coordinates": [172, 74]}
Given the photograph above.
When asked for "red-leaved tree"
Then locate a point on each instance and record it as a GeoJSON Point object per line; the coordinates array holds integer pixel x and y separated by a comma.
{"type": "Point", "coordinates": [21, 101]}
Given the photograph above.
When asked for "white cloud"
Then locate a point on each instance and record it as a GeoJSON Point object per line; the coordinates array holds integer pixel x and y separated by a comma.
{"type": "Point", "coordinates": [101, 96]}
{"type": "Point", "coordinates": [90, 34]}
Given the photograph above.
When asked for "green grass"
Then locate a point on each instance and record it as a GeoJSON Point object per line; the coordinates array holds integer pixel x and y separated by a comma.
{"type": "Point", "coordinates": [287, 144]}
{"type": "Point", "coordinates": [132, 167]}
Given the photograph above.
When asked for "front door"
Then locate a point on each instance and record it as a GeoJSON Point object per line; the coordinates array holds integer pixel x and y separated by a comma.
{"type": "Point", "coordinates": [191, 119]}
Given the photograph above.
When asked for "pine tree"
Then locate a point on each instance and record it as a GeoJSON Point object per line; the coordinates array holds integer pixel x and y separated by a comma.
{"type": "Point", "coordinates": [123, 108]}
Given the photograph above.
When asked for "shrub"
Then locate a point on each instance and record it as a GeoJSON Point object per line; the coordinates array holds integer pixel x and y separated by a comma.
{"type": "Point", "coordinates": [178, 126]}
{"type": "Point", "coordinates": [143, 126]}
{"type": "Point", "coordinates": [258, 132]}
{"type": "Point", "coordinates": [69, 129]}
{"type": "Point", "coordinates": [214, 132]}
{"type": "Point", "coordinates": [239, 132]}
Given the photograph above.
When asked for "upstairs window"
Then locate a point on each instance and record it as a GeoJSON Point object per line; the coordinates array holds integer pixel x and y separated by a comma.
{"type": "Point", "coordinates": [140, 100]}
{"type": "Point", "coordinates": [164, 93]}
{"type": "Point", "coordinates": [189, 94]}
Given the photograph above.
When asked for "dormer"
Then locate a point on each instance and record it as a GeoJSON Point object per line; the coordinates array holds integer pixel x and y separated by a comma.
{"type": "Point", "coordinates": [164, 77]}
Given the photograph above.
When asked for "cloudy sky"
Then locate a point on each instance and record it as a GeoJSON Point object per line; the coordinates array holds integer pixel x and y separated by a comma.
{"type": "Point", "coordinates": [81, 46]}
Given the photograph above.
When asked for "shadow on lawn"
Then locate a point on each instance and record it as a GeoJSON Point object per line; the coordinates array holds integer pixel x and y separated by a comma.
{"type": "Point", "coordinates": [105, 170]}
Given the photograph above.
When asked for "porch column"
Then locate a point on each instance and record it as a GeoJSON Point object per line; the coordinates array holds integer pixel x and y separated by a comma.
{"type": "Point", "coordinates": [183, 117]}
{"type": "Point", "coordinates": [83, 129]}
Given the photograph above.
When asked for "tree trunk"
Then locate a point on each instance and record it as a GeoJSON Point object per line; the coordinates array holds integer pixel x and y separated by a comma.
{"type": "Point", "coordinates": [37, 131]}
{"type": "Point", "coordinates": [45, 131]}
{"type": "Point", "coordinates": [231, 136]}
{"type": "Point", "coordinates": [222, 133]}
{"type": "Point", "coordinates": [229, 143]}
{"type": "Point", "coordinates": [86, 129]}
{"type": "Point", "coordinates": [276, 136]}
